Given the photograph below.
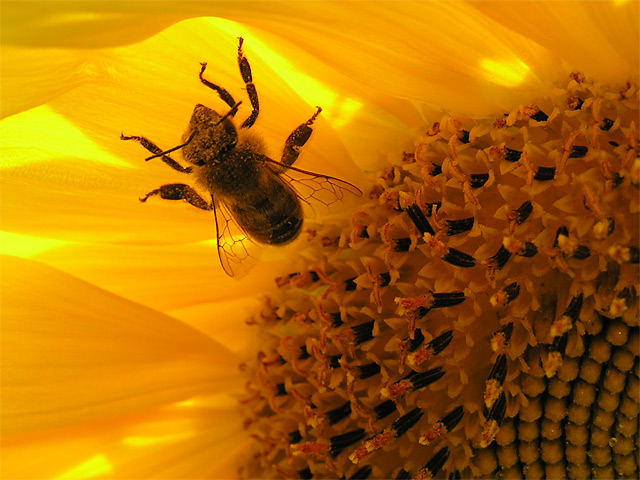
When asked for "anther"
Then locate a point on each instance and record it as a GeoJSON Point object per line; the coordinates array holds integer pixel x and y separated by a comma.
{"type": "Point", "coordinates": [454, 227]}
{"type": "Point", "coordinates": [544, 174]}
{"type": "Point", "coordinates": [362, 474]}
{"type": "Point", "coordinates": [340, 442]}
{"type": "Point", "coordinates": [385, 409]}
{"type": "Point", "coordinates": [502, 337]}
{"type": "Point", "coordinates": [419, 219]}
{"type": "Point", "coordinates": [339, 413]}
{"type": "Point", "coordinates": [368, 370]}
{"type": "Point", "coordinates": [363, 332]}
{"type": "Point", "coordinates": [433, 466]}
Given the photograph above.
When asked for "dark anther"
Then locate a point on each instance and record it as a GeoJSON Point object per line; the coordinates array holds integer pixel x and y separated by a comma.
{"type": "Point", "coordinates": [581, 252]}
{"type": "Point", "coordinates": [455, 476]}
{"type": "Point", "coordinates": [452, 419]}
{"type": "Point", "coordinates": [607, 123]}
{"type": "Point", "coordinates": [545, 173]}
{"type": "Point", "coordinates": [407, 421]}
{"type": "Point", "coordinates": [314, 276]}
{"type": "Point", "coordinates": [574, 308]}
{"type": "Point", "coordinates": [419, 219]}
{"type": "Point", "coordinates": [465, 137]}
{"type": "Point", "coordinates": [436, 170]}
{"type": "Point", "coordinates": [507, 331]}
{"type": "Point", "coordinates": [447, 299]}
{"type": "Point", "coordinates": [611, 225]}
{"type": "Point", "coordinates": [529, 250]}
{"type": "Point", "coordinates": [523, 212]}
{"type": "Point", "coordinates": [578, 151]}
{"type": "Point", "coordinates": [500, 259]}
{"type": "Point", "coordinates": [350, 284]}
{"type": "Point", "coordinates": [634, 254]}
{"type": "Point", "coordinates": [498, 409]}
{"type": "Point", "coordinates": [336, 319]}
{"type": "Point", "coordinates": [499, 369]}
{"type": "Point", "coordinates": [613, 144]}
{"type": "Point", "coordinates": [436, 463]}
{"type": "Point", "coordinates": [295, 437]}
{"type": "Point", "coordinates": [305, 474]}
{"type": "Point", "coordinates": [369, 370]}
{"type": "Point", "coordinates": [403, 475]}
{"type": "Point", "coordinates": [560, 344]}
{"type": "Point", "coordinates": [402, 244]}
{"type": "Point", "coordinates": [361, 474]}
{"type": "Point", "coordinates": [477, 180]}
{"type": "Point", "coordinates": [459, 259]}
{"type": "Point", "coordinates": [617, 179]}
{"type": "Point", "coordinates": [363, 332]}
{"type": "Point", "coordinates": [441, 342]}
{"type": "Point", "coordinates": [364, 233]}
{"type": "Point", "coordinates": [512, 155]}
{"type": "Point", "coordinates": [280, 390]}
{"type": "Point", "coordinates": [424, 379]}
{"type": "Point", "coordinates": [512, 290]}
{"type": "Point", "coordinates": [340, 442]}
{"type": "Point", "coordinates": [561, 231]}
{"type": "Point", "coordinates": [418, 338]}
{"type": "Point", "coordinates": [578, 104]}
{"type": "Point", "coordinates": [455, 227]}
{"type": "Point", "coordinates": [385, 409]}
{"type": "Point", "coordinates": [540, 116]}
{"type": "Point", "coordinates": [304, 354]}
{"type": "Point", "coordinates": [337, 414]}
{"type": "Point", "coordinates": [384, 279]}
{"type": "Point", "coordinates": [334, 360]}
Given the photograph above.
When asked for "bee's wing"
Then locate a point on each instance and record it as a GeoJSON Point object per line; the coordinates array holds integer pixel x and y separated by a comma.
{"type": "Point", "coordinates": [310, 185]}
{"type": "Point", "coordinates": [235, 248]}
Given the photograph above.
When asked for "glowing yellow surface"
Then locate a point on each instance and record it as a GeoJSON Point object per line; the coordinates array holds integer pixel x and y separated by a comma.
{"type": "Point", "coordinates": [64, 139]}
{"type": "Point", "coordinates": [94, 467]}
{"type": "Point", "coordinates": [338, 110]}
{"type": "Point", "coordinates": [505, 73]}
{"type": "Point", "coordinates": [25, 246]}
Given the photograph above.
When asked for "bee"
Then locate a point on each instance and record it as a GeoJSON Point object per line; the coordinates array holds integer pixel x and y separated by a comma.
{"type": "Point", "coordinates": [253, 197]}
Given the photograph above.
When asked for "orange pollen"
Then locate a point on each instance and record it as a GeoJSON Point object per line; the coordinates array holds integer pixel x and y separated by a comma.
{"type": "Point", "coordinates": [492, 391]}
{"type": "Point", "coordinates": [561, 326]}
{"type": "Point", "coordinates": [489, 432]}
{"type": "Point", "coordinates": [432, 435]}
{"type": "Point", "coordinates": [396, 390]}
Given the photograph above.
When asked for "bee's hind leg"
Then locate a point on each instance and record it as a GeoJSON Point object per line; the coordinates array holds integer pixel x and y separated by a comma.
{"type": "Point", "coordinates": [180, 191]}
{"type": "Point", "coordinates": [153, 148]}
{"type": "Point", "coordinates": [297, 139]}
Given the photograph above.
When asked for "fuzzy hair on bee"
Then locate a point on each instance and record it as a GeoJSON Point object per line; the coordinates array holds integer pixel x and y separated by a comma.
{"type": "Point", "coordinates": [253, 197]}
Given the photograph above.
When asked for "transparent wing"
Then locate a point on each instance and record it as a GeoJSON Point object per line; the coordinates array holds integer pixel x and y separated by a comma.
{"type": "Point", "coordinates": [313, 186]}
{"type": "Point", "coordinates": [237, 252]}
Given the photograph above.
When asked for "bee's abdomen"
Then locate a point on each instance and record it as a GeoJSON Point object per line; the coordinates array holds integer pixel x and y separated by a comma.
{"type": "Point", "coordinates": [285, 229]}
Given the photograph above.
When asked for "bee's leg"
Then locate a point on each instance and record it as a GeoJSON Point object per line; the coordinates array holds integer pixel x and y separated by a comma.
{"type": "Point", "coordinates": [180, 191]}
{"type": "Point", "coordinates": [297, 139]}
{"type": "Point", "coordinates": [224, 94]}
{"type": "Point", "coordinates": [153, 148]}
{"type": "Point", "coordinates": [247, 77]}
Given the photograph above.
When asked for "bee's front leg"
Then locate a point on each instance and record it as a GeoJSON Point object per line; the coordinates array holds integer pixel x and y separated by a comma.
{"type": "Point", "coordinates": [180, 191]}
{"type": "Point", "coordinates": [297, 139]}
{"type": "Point", "coordinates": [153, 148]}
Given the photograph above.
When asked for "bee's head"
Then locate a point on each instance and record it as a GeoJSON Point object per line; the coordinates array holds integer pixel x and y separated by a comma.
{"type": "Point", "coordinates": [215, 134]}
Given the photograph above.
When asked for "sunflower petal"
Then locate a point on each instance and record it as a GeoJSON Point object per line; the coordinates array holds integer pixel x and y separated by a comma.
{"type": "Point", "coordinates": [73, 353]}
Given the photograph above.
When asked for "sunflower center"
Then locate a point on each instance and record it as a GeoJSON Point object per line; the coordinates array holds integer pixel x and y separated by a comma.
{"type": "Point", "coordinates": [478, 316]}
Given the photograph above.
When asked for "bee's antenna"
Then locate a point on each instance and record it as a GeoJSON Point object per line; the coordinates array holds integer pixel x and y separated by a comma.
{"type": "Point", "coordinates": [172, 149]}
{"type": "Point", "coordinates": [230, 113]}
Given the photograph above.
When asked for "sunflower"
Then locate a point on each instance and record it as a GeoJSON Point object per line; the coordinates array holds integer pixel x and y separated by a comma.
{"type": "Point", "coordinates": [474, 314]}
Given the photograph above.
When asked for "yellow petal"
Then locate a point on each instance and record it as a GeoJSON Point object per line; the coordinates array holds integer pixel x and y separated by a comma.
{"type": "Point", "coordinates": [597, 38]}
{"type": "Point", "coordinates": [180, 441]}
{"type": "Point", "coordinates": [73, 353]}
